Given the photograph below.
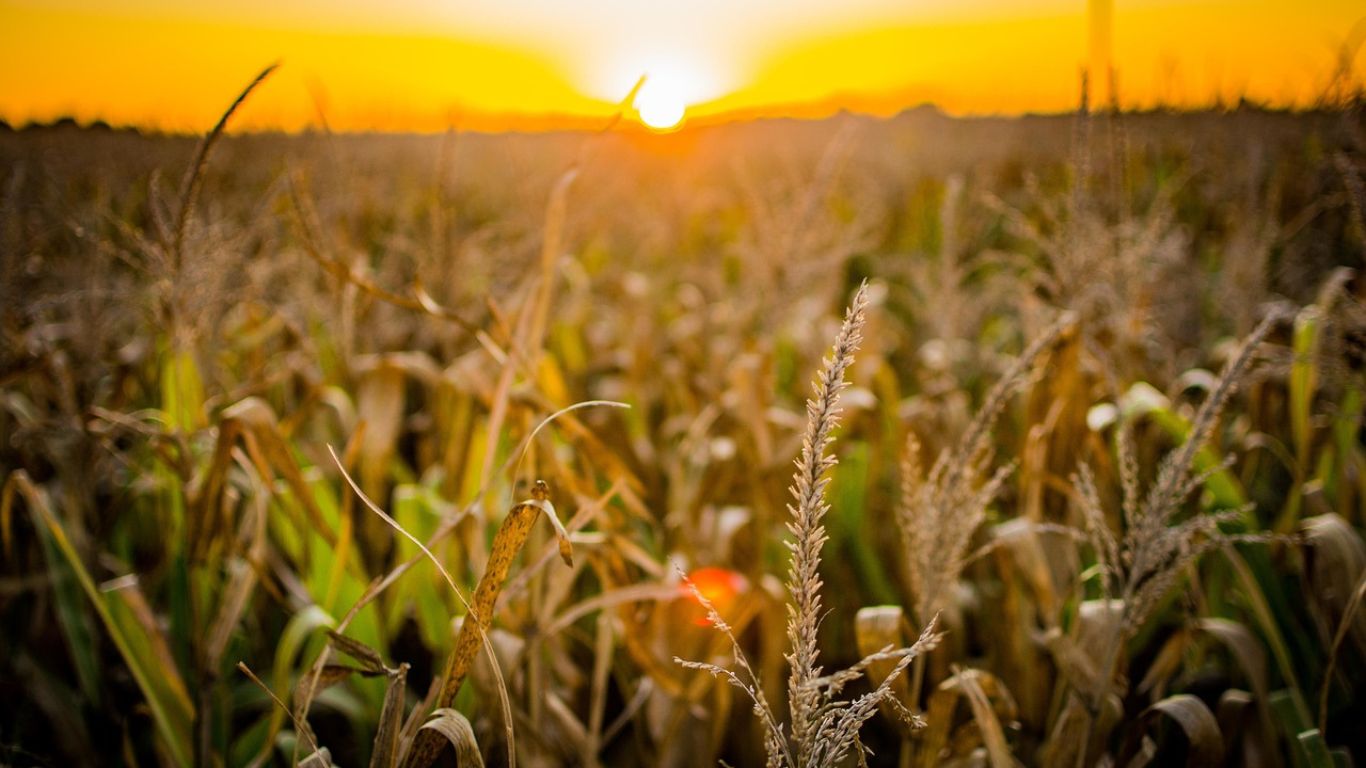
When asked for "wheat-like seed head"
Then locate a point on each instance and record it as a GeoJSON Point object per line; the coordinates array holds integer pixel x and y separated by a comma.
{"type": "Point", "coordinates": [808, 533]}
{"type": "Point", "coordinates": [940, 511]}
{"type": "Point", "coordinates": [823, 728]}
{"type": "Point", "coordinates": [1155, 550]}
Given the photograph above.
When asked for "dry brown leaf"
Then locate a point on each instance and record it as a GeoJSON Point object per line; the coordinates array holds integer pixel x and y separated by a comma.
{"type": "Point", "coordinates": [386, 751]}
{"type": "Point", "coordinates": [456, 728]}
{"type": "Point", "coordinates": [1204, 740]}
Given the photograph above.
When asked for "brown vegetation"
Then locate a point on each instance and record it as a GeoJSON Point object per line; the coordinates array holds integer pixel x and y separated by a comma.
{"type": "Point", "coordinates": [261, 437]}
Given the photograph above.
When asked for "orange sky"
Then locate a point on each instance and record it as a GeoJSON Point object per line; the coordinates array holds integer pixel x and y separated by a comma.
{"type": "Point", "coordinates": [431, 64]}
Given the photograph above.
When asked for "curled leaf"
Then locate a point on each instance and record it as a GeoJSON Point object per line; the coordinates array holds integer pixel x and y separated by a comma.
{"type": "Point", "coordinates": [540, 499]}
{"type": "Point", "coordinates": [1206, 743]}
{"type": "Point", "coordinates": [456, 728]}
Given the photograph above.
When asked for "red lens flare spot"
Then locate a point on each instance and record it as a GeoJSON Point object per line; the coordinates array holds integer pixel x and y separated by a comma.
{"type": "Point", "coordinates": [720, 587]}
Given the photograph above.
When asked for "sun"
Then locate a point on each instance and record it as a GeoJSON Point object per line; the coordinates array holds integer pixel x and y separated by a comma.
{"type": "Point", "coordinates": [660, 104]}
{"type": "Point", "coordinates": [679, 83]}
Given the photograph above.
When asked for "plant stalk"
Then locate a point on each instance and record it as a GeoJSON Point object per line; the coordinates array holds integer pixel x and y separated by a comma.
{"type": "Point", "coordinates": [512, 536]}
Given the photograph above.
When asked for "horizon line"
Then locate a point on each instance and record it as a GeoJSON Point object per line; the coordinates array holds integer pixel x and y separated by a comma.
{"type": "Point", "coordinates": [486, 122]}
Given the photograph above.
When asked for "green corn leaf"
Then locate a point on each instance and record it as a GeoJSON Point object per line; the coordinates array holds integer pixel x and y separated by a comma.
{"type": "Point", "coordinates": [137, 640]}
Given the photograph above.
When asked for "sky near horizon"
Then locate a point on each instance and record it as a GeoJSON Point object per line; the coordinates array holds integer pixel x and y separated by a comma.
{"type": "Point", "coordinates": [432, 64]}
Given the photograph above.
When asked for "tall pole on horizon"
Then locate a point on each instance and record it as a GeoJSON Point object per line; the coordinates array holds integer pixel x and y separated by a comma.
{"type": "Point", "coordinates": [1100, 72]}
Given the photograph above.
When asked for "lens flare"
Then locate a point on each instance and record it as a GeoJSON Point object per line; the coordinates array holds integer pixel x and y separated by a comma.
{"type": "Point", "coordinates": [720, 587]}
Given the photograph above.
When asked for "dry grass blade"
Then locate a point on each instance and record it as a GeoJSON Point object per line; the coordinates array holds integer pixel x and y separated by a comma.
{"type": "Point", "coordinates": [624, 105]}
{"type": "Point", "coordinates": [971, 686]}
{"type": "Point", "coordinates": [775, 742]}
{"type": "Point", "coordinates": [333, 674]}
{"type": "Point", "coordinates": [302, 729]}
{"type": "Point", "coordinates": [386, 752]}
{"type": "Point", "coordinates": [562, 535]}
{"type": "Point", "coordinates": [1348, 616]}
{"type": "Point", "coordinates": [633, 594]}
{"type": "Point", "coordinates": [194, 178]}
{"type": "Point", "coordinates": [543, 423]}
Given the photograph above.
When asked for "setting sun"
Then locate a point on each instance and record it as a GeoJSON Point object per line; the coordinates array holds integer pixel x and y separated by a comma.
{"type": "Point", "coordinates": [660, 106]}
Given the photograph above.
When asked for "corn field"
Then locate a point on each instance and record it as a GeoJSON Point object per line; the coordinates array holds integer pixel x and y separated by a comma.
{"type": "Point", "coordinates": [906, 442]}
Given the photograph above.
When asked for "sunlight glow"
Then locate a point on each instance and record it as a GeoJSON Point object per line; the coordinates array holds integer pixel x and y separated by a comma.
{"type": "Point", "coordinates": [660, 105]}
{"type": "Point", "coordinates": [433, 65]}
{"type": "Point", "coordinates": [677, 78]}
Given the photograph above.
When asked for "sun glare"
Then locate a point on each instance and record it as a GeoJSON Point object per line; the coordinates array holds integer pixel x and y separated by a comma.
{"type": "Point", "coordinates": [660, 105]}
{"type": "Point", "coordinates": [680, 82]}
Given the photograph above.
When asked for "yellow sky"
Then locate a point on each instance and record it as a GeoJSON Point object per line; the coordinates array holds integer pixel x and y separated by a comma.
{"type": "Point", "coordinates": [429, 64]}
